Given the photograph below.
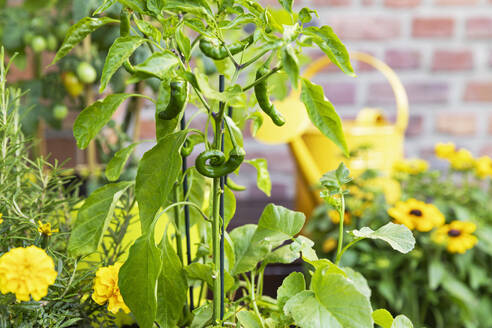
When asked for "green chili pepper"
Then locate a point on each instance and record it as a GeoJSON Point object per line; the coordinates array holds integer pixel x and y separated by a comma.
{"type": "Point", "coordinates": [177, 101]}
{"type": "Point", "coordinates": [124, 23]}
{"type": "Point", "coordinates": [213, 164]}
{"type": "Point", "coordinates": [234, 186]}
{"type": "Point", "coordinates": [219, 52]}
{"type": "Point", "coordinates": [261, 92]}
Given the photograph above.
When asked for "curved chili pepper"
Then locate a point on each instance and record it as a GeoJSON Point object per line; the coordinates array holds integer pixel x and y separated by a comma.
{"type": "Point", "coordinates": [177, 101]}
{"type": "Point", "coordinates": [125, 31]}
{"type": "Point", "coordinates": [219, 52]}
{"type": "Point", "coordinates": [213, 164]}
{"type": "Point", "coordinates": [234, 186]}
{"type": "Point", "coordinates": [261, 93]}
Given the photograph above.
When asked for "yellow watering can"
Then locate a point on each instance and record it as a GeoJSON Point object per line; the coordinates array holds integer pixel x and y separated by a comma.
{"type": "Point", "coordinates": [377, 144]}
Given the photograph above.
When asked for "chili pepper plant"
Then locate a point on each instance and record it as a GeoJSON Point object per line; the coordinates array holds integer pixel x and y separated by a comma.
{"type": "Point", "coordinates": [167, 271]}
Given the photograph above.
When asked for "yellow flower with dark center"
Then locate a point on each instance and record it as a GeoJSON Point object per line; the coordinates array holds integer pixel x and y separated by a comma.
{"type": "Point", "coordinates": [457, 236]}
{"type": "Point", "coordinates": [1, 219]}
{"type": "Point", "coordinates": [483, 167]}
{"type": "Point", "coordinates": [415, 214]}
{"type": "Point", "coordinates": [335, 217]}
{"type": "Point", "coordinates": [462, 160]}
{"type": "Point", "coordinates": [45, 228]}
{"type": "Point", "coordinates": [106, 289]}
{"type": "Point", "coordinates": [411, 166]}
{"type": "Point", "coordinates": [445, 150]}
{"type": "Point", "coordinates": [26, 272]}
{"type": "Point", "coordinates": [329, 245]}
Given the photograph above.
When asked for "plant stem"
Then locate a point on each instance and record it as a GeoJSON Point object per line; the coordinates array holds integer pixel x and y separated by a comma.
{"type": "Point", "coordinates": [341, 213]}
{"type": "Point", "coordinates": [177, 214]}
{"type": "Point", "coordinates": [253, 299]}
{"type": "Point", "coordinates": [263, 78]}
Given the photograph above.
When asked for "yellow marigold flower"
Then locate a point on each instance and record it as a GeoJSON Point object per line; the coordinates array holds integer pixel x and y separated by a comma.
{"type": "Point", "coordinates": [329, 245]}
{"type": "Point", "coordinates": [335, 218]}
{"type": "Point", "coordinates": [462, 160]}
{"type": "Point", "coordinates": [416, 214]}
{"type": "Point", "coordinates": [106, 288]}
{"type": "Point", "coordinates": [45, 228]}
{"type": "Point", "coordinates": [411, 166]}
{"type": "Point", "coordinates": [483, 167]}
{"type": "Point", "coordinates": [26, 272]}
{"type": "Point", "coordinates": [445, 150]}
{"type": "Point", "coordinates": [457, 236]}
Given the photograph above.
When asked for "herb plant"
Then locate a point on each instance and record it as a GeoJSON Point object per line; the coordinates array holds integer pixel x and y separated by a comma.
{"type": "Point", "coordinates": [159, 279]}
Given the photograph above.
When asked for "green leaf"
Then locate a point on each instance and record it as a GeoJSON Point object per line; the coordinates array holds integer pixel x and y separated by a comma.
{"type": "Point", "coordinates": [331, 45]}
{"type": "Point", "coordinates": [248, 319]}
{"type": "Point", "coordinates": [121, 49]}
{"type": "Point", "coordinates": [78, 32]}
{"type": "Point", "coordinates": [135, 5]}
{"type": "Point", "coordinates": [263, 181]}
{"type": "Point", "coordinates": [138, 279]}
{"type": "Point", "coordinates": [149, 30]}
{"type": "Point", "coordinates": [287, 4]}
{"type": "Point", "coordinates": [183, 42]}
{"type": "Point", "coordinates": [437, 272]}
{"type": "Point", "coordinates": [117, 163]}
{"type": "Point", "coordinates": [323, 114]}
{"type": "Point", "coordinates": [204, 272]}
{"type": "Point", "coordinates": [305, 15]}
{"type": "Point", "coordinates": [155, 6]}
{"type": "Point", "coordinates": [94, 217]}
{"type": "Point", "coordinates": [383, 318]}
{"type": "Point", "coordinates": [291, 65]}
{"type": "Point", "coordinates": [308, 312]}
{"type": "Point", "coordinates": [158, 170]}
{"type": "Point", "coordinates": [342, 299]}
{"type": "Point", "coordinates": [92, 119]}
{"type": "Point", "coordinates": [398, 236]}
{"type": "Point", "coordinates": [172, 287]}
{"type": "Point", "coordinates": [277, 224]}
{"type": "Point", "coordinates": [159, 64]}
{"type": "Point", "coordinates": [202, 316]}
{"type": "Point", "coordinates": [229, 206]}
{"type": "Point", "coordinates": [103, 7]}
{"type": "Point", "coordinates": [294, 283]}
{"type": "Point", "coordinates": [358, 281]}
{"type": "Point", "coordinates": [199, 8]}
{"type": "Point", "coordinates": [402, 322]}
{"type": "Point", "coordinates": [334, 180]}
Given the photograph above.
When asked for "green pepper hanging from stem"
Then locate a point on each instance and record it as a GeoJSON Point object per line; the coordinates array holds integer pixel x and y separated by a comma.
{"type": "Point", "coordinates": [177, 101]}
{"type": "Point", "coordinates": [219, 52]}
{"type": "Point", "coordinates": [261, 93]}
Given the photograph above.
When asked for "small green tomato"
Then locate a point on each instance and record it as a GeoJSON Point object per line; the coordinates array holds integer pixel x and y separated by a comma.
{"type": "Point", "coordinates": [38, 44]}
{"type": "Point", "coordinates": [60, 112]}
{"type": "Point", "coordinates": [86, 73]}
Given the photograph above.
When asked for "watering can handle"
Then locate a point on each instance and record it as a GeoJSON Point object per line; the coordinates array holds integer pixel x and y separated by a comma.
{"type": "Point", "coordinates": [396, 85]}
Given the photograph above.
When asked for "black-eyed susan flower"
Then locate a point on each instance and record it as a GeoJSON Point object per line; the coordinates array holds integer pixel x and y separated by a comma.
{"type": "Point", "coordinates": [445, 150]}
{"type": "Point", "coordinates": [415, 214]}
{"type": "Point", "coordinates": [45, 228]}
{"type": "Point", "coordinates": [1, 218]}
{"type": "Point", "coordinates": [26, 272]}
{"type": "Point", "coordinates": [335, 217]}
{"type": "Point", "coordinates": [411, 166]}
{"type": "Point", "coordinates": [106, 289]}
{"type": "Point", "coordinates": [462, 160]}
{"type": "Point", "coordinates": [483, 167]}
{"type": "Point", "coordinates": [457, 236]}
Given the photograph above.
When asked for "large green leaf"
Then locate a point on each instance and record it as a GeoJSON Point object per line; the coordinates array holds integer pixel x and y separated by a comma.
{"type": "Point", "coordinates": [263, 181]}
{"type": "Point", "coordinates": [117, 163]}
{"type": "Point", "coordinates": [138, 279]}
{"type": "Point", "coordinates": [248, 319]}
{"type": "Point", "coordinates": [383, 318]}
{"type": "Point", "coordinates": [276, 225]}
{"type": "Point", "coordinates": [291, 65]}
{"type": "Point", "coordinates": [397, 236]}
{"type": "Point", "coordinates": [294, 283]}
{"type": "Point", "coordinates": [358, 280]}
{"type": "Point", "coordinates": [78, 32]}
{"type": "Point", "coordinates": [323, 114]}
{"type": "Point", "coordinates": [342, 299]}
{"type": "Point", "coordinates": [158, 170]}
{"type": "Point", "coordinates": [172, 287]}
{"type": "Point", "coordinates": [158, 64]}
{"type": "Point", "coordinates": [331, 45]}
{"type": "Point", "coordinates": [94, 217]}
{"type": "Point", "coordinates": [308, 312]}
{"type": "Point", "coordinates": [92, 119]}
{"type": "Point", "coordinates": [121, 49]}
